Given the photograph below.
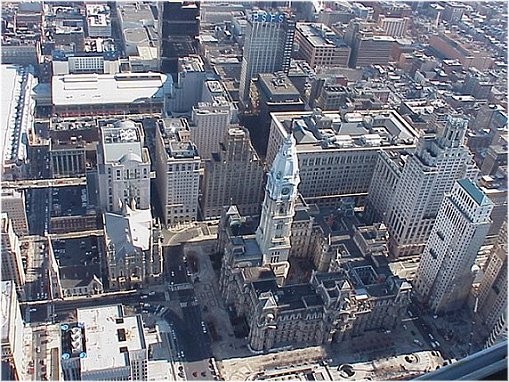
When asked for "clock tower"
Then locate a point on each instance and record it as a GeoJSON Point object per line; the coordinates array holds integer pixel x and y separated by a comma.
{"type": "Point", "coordinates": [273, 233]}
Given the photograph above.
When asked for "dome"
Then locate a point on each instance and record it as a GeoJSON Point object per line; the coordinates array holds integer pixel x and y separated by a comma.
{"type": "Point", "coordinates": [130, 157]}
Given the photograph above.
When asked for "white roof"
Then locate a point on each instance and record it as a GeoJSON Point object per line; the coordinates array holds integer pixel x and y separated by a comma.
{"type": "Point", "coordinates": [17, 108]}
{"type": "Point", "coordinates": [102, 340]}
{"type": "Point", "coordinates": [130, 231]}
{"type": "Point", "coordinates": [95, 89]}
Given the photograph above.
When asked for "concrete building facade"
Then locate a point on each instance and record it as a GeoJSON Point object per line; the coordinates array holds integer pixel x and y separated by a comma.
{"type": "Point", "coordinates": [210, 123]}
{"type": "Point", "coordinates": [178, 172]}
{"type": "Point", "coordinates": [123, 167]}
{"type": "Point", "coordinates": [425, 177]}
{"type": "Point", "coordinates": [274, 231]}
{"type": "Point", "coordinates": [233, 176]}
{"type": "Point", "coordinates": [320, 46]}
{"type": "Point", "coordinates": [337, 153]}
{"type": "Point", "coordinates": [444, 276]}
{"type": "Point", "coordinates": [268, 47]}
{"type": "Point", "coordinates": [13, 204]}
{"type": "Point", "coordinates": [13, 352]}
{"type": "Point", "coordinates": [12, 265]}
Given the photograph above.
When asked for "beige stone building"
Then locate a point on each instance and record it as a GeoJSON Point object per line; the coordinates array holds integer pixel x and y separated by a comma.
{"type": "Point", "coordinates": [337, 153]}
{"type": "Point", "coordinates": [233, 176]}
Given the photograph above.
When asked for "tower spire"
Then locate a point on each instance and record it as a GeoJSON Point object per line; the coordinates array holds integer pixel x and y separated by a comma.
{"type": "Point", "coordinates": [273, 233]}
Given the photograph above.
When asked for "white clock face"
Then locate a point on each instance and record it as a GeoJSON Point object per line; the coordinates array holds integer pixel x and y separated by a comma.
{"type": "Point", "coordinates": [285, 191]}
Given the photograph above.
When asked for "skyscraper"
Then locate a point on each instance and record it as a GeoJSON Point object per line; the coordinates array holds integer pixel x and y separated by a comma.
{"type": "Point", "coordinates": [13, 203]}
{"type": "Point", "coordinates": [444, 277]}
{"type": "Point", "coordinates": [233, 176]}
{"type": "Point", "coordinates": [13, 352]}
{"type": "Point", "coordinates": [178, 171]}
{"type": "Point", "coordinates": [12, 266]}
{"type": "Point", "coordinates": [273, 233]}
{"type": "Point", "coordinates": [268, 46]}
{"type": "Point", "coordinates": [123, 167]}
{"type": "Point", "coordinates": [425, 178]}
{"type": "Point", "coordinates": [492, 298]}
{"type": "Point", "coordinates": [179, 23]}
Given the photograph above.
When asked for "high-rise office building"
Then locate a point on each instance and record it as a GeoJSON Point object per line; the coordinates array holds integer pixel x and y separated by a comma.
{"type": "Point", "coordinates": [178, 171]}
{"type": "Point", "coordinates": [13, 203]}
{"type": "Point", "coordinates": [179, 23]}
{"type": "Point", "coordinates": [12, 265]}
{"type": "Point", "coordinates": [13, 353]}
{"type": "Point", "coordinates": [187, 91]}
{"type": "Point", "coordinates": [233, 176]}
{"type": "Point", "coordinates": [425, 177]}
{"type": "Point", "coordinates": [273, 233]}
{"type": "Point", "coordinates": [123, 167]}
{"type": "Point", "coordinates": [210, 123]}
{"type": "Point", "coordinates": [444, 276]}
{"type": "Point", "coordinates": [492, 297]}
{"type": "Point", "coordinates": [267, 48]}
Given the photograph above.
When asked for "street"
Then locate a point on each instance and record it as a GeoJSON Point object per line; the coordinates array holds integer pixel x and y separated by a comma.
{"type": "Point", "coordinates": [192, 343]}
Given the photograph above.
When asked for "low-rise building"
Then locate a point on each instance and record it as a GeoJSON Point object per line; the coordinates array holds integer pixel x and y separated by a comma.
{"type": "Point", "coordinates": [17, 121]}
{"type": "Point", "coordinates": [110, 94]}
{"type": "Point", "coordinates": [133, 248]}
{"type": "Point", "coordinates": [104, 344]}
{"type": "Point", "coordinates": [98, 20]}
{"type": "Point", "coordinates": [140, 36]}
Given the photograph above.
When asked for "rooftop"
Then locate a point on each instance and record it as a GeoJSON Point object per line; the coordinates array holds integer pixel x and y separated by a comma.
{"type": "Point", "coordinates": [100, 89]}
{"type": "Point", "coordinates": [123, 141]}
{"type": "Point", "coordinates": [191, 64]}
{"type": "Point", "coordinates": [110, 336]}
{"type": "Point", "coordinates": [367, 129]}
{"type": "Point", "coordinates": [472, 190]}
{"type": "Point", "coordinates": [320, 35]}
{"type": "Point", "coordinates": [17, 82]}
{"type": "Point", "coordinates": [278, 84]}
{"type": "Point", "coordinates": [128, 232]}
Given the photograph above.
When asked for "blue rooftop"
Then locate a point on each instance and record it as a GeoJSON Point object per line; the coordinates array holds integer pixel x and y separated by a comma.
{"type": "Point", "coordinates": [472, 190]}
